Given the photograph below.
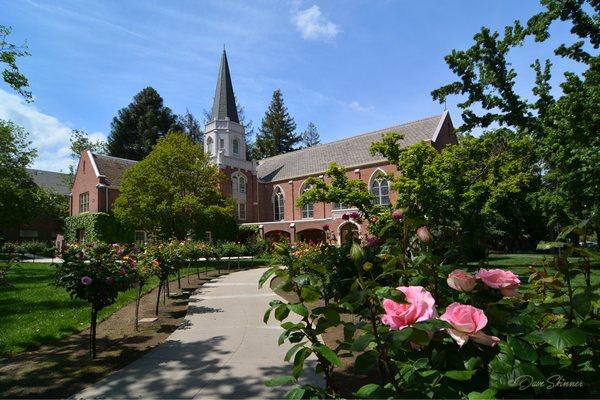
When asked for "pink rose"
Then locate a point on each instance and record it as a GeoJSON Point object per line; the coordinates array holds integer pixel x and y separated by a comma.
{"type": "Point", "coordinates": [423, 234]}
{"type": "Point", "coordinates": [505, 281]}
{"type": "Point", "coordinates": [461, 281]}
{"type": "Point", "coordinates": [419, 306]}
{"type": "Point", "coordinates": [467, 323]}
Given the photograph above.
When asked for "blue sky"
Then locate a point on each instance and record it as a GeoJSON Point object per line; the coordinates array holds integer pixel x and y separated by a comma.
{"type": "Point", "coordinates": [347, 66]}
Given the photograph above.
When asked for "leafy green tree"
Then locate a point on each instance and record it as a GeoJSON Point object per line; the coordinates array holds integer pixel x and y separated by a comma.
{"type": "Point", "coordinates": [138, 126]}
{"type": "Point", "coordinates": [16, 201]}
{"type": "Point", "coordinates": [80, 141]}
{"type": "Point", "coordinates": [563, 129]}
{"type": "Point", "coordinates": [473, 192]}
{"type": "Point", "coordinates": [9, 53]}
{"type": "Point", "coordinates": [310, 137]}
{"type": "Point", "coordinates": [191, 127]}
{"type": "Point", "coordinates": [174, 191]}
{"type": "Point", "coordinates": [277, 132]}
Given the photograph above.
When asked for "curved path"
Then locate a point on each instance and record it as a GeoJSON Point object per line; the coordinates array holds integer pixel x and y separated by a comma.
{"type": "Point", "coordinates": [221, 350]}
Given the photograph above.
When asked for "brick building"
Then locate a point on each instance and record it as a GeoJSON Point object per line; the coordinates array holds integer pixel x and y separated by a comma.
{"type": "Point", "coordinates": [42, 227]}
{"type": "Point", "coordinates": [266, 191]}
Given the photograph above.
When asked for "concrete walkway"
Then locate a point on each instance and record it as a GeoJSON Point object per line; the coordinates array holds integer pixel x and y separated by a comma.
{"type": "Point", "coordinates": [221, 350]}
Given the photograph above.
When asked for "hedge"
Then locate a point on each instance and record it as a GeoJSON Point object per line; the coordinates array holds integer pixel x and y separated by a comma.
{"type": "Point", "coordinates": [98, 227]}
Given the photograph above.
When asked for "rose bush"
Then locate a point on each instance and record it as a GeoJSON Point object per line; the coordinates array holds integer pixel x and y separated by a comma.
{"type": "Point", "coordinates": [432, 330]}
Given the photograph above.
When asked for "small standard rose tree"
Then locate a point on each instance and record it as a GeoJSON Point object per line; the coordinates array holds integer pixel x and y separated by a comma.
{"type": "Point", "coordinates": [96, 273]}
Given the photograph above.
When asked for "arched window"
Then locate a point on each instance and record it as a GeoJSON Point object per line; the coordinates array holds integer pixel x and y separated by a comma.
{"type": "Point", "coordinates": [380, 188]}
{"type": "Point", "coordinates": [236, 146]}
{"type": "Point", "coordinates": [238, 183]}
{"type": "Point", "coordinates": [278, 204]}
{"type": "Point", "coordinates": [209, 145]}
{"type": "Point", "coordinates": [308, 210]}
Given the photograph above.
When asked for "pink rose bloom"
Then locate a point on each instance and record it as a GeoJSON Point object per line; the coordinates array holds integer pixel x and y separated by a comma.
{"type": "Point", "coordinates": [505, 281]}
{"type": "Point", "coordinates": [355, 215]}
{"type": "Point", "coordinates": [419, 306]}
{"type": "Point", "coordinates": [423, 234]}
{"type": "Point", "coordinates": [461, 280]}
{"type": "Point", "coordinates": [345, 217]}
{"type": "Point", "coordinates": [467, 323]}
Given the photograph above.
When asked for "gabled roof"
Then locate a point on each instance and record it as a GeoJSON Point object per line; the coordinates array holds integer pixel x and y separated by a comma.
{"type": "Point", "coordinates": [112, 168]}
{"type": "Point", "coordinates": [349, 152]}
{"type": "Point", "coordinates": [54, 182]}
{"type": "Point", "coordinates": [224, 102]}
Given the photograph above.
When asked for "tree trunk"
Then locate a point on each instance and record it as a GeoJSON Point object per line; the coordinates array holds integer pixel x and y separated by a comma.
{"type": "Point", "coordinates": [137, 306]}
{"type": "Point", "coordinates": [178, 279]}
{"type": "Point", "coordinates": [158, 298]}
{"type": "Point", "coordinates": [93, 332]}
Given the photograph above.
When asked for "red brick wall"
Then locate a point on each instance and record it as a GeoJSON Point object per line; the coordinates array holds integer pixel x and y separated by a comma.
{"type": "Point", "coordinates": [85, 181]}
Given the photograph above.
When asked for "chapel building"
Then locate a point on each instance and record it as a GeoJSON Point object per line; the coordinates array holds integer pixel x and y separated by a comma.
{"type": "Point", "coordinates": [266, 191]}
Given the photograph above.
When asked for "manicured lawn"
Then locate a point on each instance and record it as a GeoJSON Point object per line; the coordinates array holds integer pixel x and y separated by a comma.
{"type": "Point", "coordinates": [34, 311]}
{"type": "Point", "coordinates": [520, 263]}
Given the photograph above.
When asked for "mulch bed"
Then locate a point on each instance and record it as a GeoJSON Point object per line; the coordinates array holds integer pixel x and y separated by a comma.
{"type": "Point", "coordinates": [63, 368]}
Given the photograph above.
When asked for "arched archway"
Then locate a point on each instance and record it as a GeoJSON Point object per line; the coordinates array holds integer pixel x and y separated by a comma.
{"type": "Point", "coordinates": [277, 236]}
{"type": "Point", "coordinates": [311, 236]}
{"type": "Point", "coordinates": [347, 232]}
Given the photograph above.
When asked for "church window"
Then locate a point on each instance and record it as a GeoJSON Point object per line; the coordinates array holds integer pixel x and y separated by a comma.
{"type": "Point", "coordinates": [236, 146]}
{"type": "Point", "coordinates": [308, 210]}
{"type": "Point", "coordinates": [278, 204]}
{"type": "Point", "coordinates": [380, 188]}
{"type": "Point", "coordinates": [241, 211]}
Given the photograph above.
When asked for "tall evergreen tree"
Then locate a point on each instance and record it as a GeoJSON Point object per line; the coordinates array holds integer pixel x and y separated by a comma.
{"type": "Point", "coordinates": [310, 137]}
{"type": "Point", "coordinates": [191, 127]}
{"type": "Point", "coordinates": [277, 132]}
{"type": "Point", "coordinates": [137, 127]}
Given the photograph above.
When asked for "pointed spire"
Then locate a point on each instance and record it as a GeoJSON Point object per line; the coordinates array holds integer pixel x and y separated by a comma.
{"type": "Point", "coordinates": [224, 102]}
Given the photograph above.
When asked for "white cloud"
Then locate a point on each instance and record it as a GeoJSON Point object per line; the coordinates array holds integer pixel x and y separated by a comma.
{"type": "Point", "coordinates": [313, 25]}
{"type": "Point", "coordinates": [47, 134]}
{"type": "Point", "coordinates": [356, 106]}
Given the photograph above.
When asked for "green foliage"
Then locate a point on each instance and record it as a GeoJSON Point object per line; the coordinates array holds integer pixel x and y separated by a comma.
{"type": "Point", "coordinates": [276, 134]}
{"type": "Point", "coordinates": [310, 137]}
{"type": "Point", "coordinates": [563, 129]}
{"type": "Point", "coordinates": [536, 337]}
{"type": "Point", "coordinates": [191, 127]}
{"type": "Point", "coordinates": [473, 193]}
{"type": "Point", "coordinates": [97, 227]}
{"type": "Point", "coordinates": [9, 53]}
{"type": "Point", "coordinates": [137, 127]}
{"type": "Point", "coordinates": [17, 187]}
{"type": "Point", "coordinates": [174, 192]}
{"type": "Point", "coordinates": [342, 190]}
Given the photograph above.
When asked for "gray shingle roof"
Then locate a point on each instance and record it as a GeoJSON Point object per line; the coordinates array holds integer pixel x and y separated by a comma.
{"type": "Point", "coordinates": [112, 168]}
{"type": "Point", "coordinates": [224, 102]}
{"type": "Point", "coordinates": [349, 152]}
{"type": "Point", "coordinates": [54, 182]}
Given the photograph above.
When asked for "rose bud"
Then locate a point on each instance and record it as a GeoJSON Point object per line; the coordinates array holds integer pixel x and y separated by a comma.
{"type": "Point", "coordinates": [461, 281]}
{"type": "Point", "coordinates": [423, 234]}
{"type": "Point", "coordinates": [397, 215]}
{"type": "Point", "coordinates": [505, 281]}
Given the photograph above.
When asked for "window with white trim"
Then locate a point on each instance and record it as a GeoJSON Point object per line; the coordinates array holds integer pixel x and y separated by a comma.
{"type": "Point", "coordinates": [236, 146]}
{"type": "Point", "coordinates": [339, 206]}
{"type": "Point", "coordinates": [238, 183]}
{"type": "Point", "coordinates": [380, 188]}
{"type": "Point", "coordinates": [221, 143]}
{"type": "Point", "coordinates": [84, 202]}
{"type": "Point", "coordinates": [278, 204]}
{"type": "Point", "coordinates": [308, 210]}
{"type": "Point", "coordinates": [241, 211]}
{"type": "Point", "coordinates": [140, 237]}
